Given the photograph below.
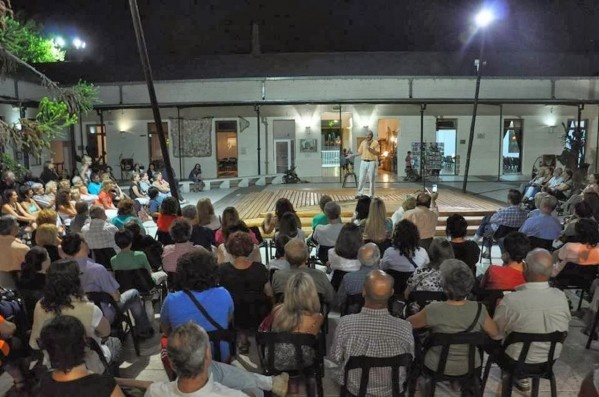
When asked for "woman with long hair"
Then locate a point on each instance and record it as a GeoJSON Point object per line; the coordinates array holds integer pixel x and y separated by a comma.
{"type": "Point", "coordinates": [343, 258]}
{"type": "Point", "coordinates": [289, 226]}
{"type": "Point", "coordinates": [299, 313]}
{"type": "Point", "coordinates": [11, 206]}
{"type": "Point", "coordinates": [33, 269]}
{"type": "Point", "coordinates": [28, 204]}
{"type": "Point", "coordinates": [271, 222]}
{"type": "Point", "coordinates": [64, 207]}
{"type": "Point", "coordinates": [206, 216]}
{"type": "Point", "coordinates": [405, 253]}
{"type": "Point", "coordinates": [107, 194]}
{"type": "Point", "coordinates": [378, 228]}
{"type": "Point", "coordinates": [361, 211]}
{"type": "Point", "coordinates": [230, 217]}
{"type": "Point", "coordinates": [136, 191]}
{"type": "Point", "coordinates": [46, 236]}
{"type": "Point", "coordinates": [63, 296]}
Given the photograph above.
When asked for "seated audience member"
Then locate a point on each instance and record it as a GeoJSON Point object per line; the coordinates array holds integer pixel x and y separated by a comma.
{"type": "Point", "coordinates": [81, 219]}
{"type": "Point", "coordinates": [64, 339]}
{"type": "Point", "coordinates": [9, 181]}
{"type": "Point", "coordinates": [271, 222]}
{"type": "Point", "coordinates": [378, 228]}
{"type": "Point", "coordinates": [582, 210]}
{"type": "Point", "coordinates": [465, 250]}
{"type": "Point", "coordinates": [374, 333]}
{"type": "Point", "coordinates": [545, 226]}
{"type": "Point", "coordinates": [343, 258]}
{"type": "Point", "coordinates": [195, 175]}
{"type": "Point", "coordinates": [188, 349]}
{"type": "Point", "coordinates": [107, 195]}
{"type": "Point", "coordinates": [13, 250]}
{"type": "Point", "coordinates": [405, 254]}
{"type": "Point", "coordinates": [95, 186]}
{"type": "Point", "coordinates": [12, 207]}
{"type": "Point", "coordinates": [33, 270]}
{"type": "Point", "coordinates": [14, 359]}
{"type": "Point", "coordinates": [584, 252]}
{"type": "Point", "coordinates": [95, 278]}
{"type": "Point", "coordinates": [247, 282]}
{"type": "Point", "coordinates": [169, 211]}
{"type": "Point", "coordinates": [369, 256]}
{"type": "Point", "coordinates": [555, 180]}
{"type": "Point", "coordinates": [326, 235]}
{"type": "Point", "coordinates": [322, 218]}
{"type": "Point", "coordinates": [564, 190]}
{"type": "Point", "coordinates": [230, 217]}
{"type": "Point", "coordinates": [152, 248]}
{"type": "Point", "coordinates": [512, 216]}
{"type": "Point", "coordinates": [591, 198]}
{"type": "Point", "coordinates": [408, 204]}
{"type": "Point", "coordinates": [49, 172]}
{"type": "Point", "coordinates": [41, 198]}
{"type": "Point", "coordinates": [535, 185]}
{"type": "Point", "coordinates": [222, 255]}
{"type": "Point", "coordinates": [428, 277]}
{"type": "Point", "coordinates": [125, 213]}
{"type": "Point", "coordinates": [154, 200]}
{"type": "Point", "coordinates": [127, 259]}
{"type": "Point", "coordinates": [63, 296]}
{"type": "Point", "coordinates": [454, 316]}
{"type": "Point", "coordinates": [80, 187]}
{"type": "Point", "coordinates": [288, 225]}
{"type": "Point", "coordinates": [361, 211]}
{"type": "Point", "coordinates": [508, 276]}
{"type": "Point", "coordinates": [534, 307]}
{"type": "Point", "coordinates": [200, 235]}
{"type": "Point", "coordinates": [145, 182]}
{"type": "Point", "coordinates": [299, 313]}
{"type": "Point", "coordinates": [28, 204]}
{"type": "Point", "coordinates": [206, 216]}
{"type": "Point", "coordinates": [46, 236]}
{"type": "Point", "coordinates": [425, 217]}
{"type": "Point", "coordinates": [538, 199]}
{"type": "Point", "coordinates": [99, 233]}
{"type": "Point", "coordinates": [296, 255]}
{"type": "Point", "coordinates": [136, 192]}
{"type": "Point", "coordinates": [197, 274]}
{"type": "Point", "coordinates": [180, 232]}
{"type": "Point", "coordinates": [161, 184]}
{"type": "Point", "coordinates": [279, 262]}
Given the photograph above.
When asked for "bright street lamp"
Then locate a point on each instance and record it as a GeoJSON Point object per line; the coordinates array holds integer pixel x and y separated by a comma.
{"type": "Point", "coordinates": [78, 43]}
{"type": "Point", "coordinates": [482, 20]}
{"type": "Point", "coordinates": [59, 41]}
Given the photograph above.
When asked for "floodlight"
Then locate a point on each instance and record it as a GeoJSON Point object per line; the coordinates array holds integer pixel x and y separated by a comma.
{"type": "Point", "coordinates": [78, 43]}
{"type": "Point", "coordinates": [484, 18]}
{"type": "Point", "coordinates": [59, 41]}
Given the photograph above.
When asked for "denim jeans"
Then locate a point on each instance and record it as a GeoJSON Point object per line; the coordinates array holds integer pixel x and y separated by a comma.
{"type": "Point", "coordinates": [130, 300]}
{"type": "Point", "coordinates": [240, 379]}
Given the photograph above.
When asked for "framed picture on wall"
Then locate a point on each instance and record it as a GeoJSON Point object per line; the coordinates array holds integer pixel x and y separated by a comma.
{"type": "Point", "coordinates": [308, 145]}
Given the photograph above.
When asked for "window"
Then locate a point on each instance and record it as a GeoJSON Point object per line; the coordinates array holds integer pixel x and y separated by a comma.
{"type": "Point", "coordinates": [576, 137]}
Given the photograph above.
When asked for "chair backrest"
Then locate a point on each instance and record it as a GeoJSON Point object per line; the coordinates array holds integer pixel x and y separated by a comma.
{"type": "Point", "coordinates": [102, 256]}
{"type": "Point", "coordinates": [323, 253]}
{"type": "Point", "coordinates": [423, 298]}
{"type": "Point", "coordinates": [100, 298]}
{"type": "Point", "coordinates": [365, 363]}
{"type": "Point", "coordinates": [139, 279]}
{"type": "Point", "coordinates": [474, 340]}
{"type": "Point", "coordinates": [503, 231]}
{"type": "Point", "coordinates": [352, 305]}
{"type": "Point", "coordinates": [536, 242]}
{"type": "Point", "coordinates": [222, 336]}
{"type": "Point", "coordinates": [401, 280]}
{"type": "Point", "coordinates": [553, 338]}
{"type": "Point", "coordinates": [575, 275]}
{"type": "Point", "coordinates": [8, 280]}
{"type": "Point", "coordinates": [490, 298]}
{"type": "Point", "coordinates": [267, 343]}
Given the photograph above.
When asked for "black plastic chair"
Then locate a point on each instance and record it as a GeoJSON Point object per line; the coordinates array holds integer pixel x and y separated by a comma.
{"type": "Point", "coordinates": [423, 298]}
{"type": "Point", "coordinates": [475, 342]}
{"type": "Point", "coordinates": [352, 305]}
{"type": "Point", "coordinates": [500, 233]}
{"type": "Point", "coordinates": [574, 276]}
{"type": "Point", "coordinates": [222, 336]}
{"type": "Point", "coordinates": [518, 369]}
{"type": "Point", "coordinates": [401, 281]}
{"type": "Point", "coordinates": [142, 281]}
{"type": "Point", "coordinates": [536, 242]}
{"type": "Point", "coordinates": [337, 278]}
{"type": "Point", "coordinates": [118, 329]}
{"type": "Point", "coordinates": [592, 330]}
{"type": "Point", "coordinates": [490, 298]}
{"type": "Point", "coordinates": [365, 363]}
{"type": "Point", "coordinates": [102, 256]}
{"type": "Point", "coordinates": [267, 343]}
{"type": "Point", "coordinates": [323, 253]}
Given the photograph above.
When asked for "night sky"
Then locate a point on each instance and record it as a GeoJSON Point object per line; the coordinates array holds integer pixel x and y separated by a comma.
{"type": "Point", "coordinates": [180, 29]}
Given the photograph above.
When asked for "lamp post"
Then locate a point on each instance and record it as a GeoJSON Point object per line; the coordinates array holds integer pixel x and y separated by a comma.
{"type": "Point", "coordinates": [482, 20]}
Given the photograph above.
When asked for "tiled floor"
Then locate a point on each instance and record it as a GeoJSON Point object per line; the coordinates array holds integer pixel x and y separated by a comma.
{"type": "Point", "coordinates": [574, 363]}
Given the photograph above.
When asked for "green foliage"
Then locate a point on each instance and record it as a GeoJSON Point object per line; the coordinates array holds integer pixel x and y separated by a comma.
{"type": "Point", "coordinates": [26, 42]}
{"type": "Point", "coordinates": [9, 163]}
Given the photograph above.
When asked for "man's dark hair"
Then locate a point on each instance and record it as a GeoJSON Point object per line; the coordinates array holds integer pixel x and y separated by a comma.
{"type": "Point", "coordinates": [514, 196]}
{"type": "Point", "coordinates": [587, 232]}
{"type": "Point", "coordinates": [64, 340]}
{"type": "Point", "coordinates": [180, 230]}
{"type": "Point", "coordinates": [123, 238]}
{"type": "Point", "coordinates": [457, 226]}
{"type": "Point", "coordinates": [153, 192]}
{"type": "Point", "coordinates": [71, 243]}
{"type": "Point", "coordinates": [197, 270]}
{"type": "Point", "coordinates": [517, 246]}
{"type": "Point", "coordinates": [424, 199]}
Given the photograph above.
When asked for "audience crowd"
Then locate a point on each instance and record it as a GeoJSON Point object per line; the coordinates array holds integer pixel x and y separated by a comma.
{"type": "Point", "coordinates": [77, 264]}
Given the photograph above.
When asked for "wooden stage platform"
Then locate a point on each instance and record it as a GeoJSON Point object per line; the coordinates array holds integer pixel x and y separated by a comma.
{"type": "Point", "coordinates": [253, 206]}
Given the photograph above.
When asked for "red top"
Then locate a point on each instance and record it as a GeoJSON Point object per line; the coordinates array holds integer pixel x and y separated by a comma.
{"type": "Point", "coordinates": [164, 222]}
{"type": "Point", "coordinates": [105, 200]}
{"type": "Point", "coordinates": [502, 277]}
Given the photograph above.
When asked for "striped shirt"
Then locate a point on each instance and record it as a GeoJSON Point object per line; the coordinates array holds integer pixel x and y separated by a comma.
{"type": "Point", "coordinates": [372, 333]}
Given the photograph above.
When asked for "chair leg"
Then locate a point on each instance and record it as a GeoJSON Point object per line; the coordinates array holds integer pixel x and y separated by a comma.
{"type": "Point", "coordinates": [580, 301]}
{"type": "Point", "coordinates": [553, 385]}
{"type": "Point", "coordinates": [535, 387]}
{"type": "Point", "coordinates": [507, 382]}
{"type": "Point", "coordinates": [592, 330]}
{"type": "Point", "coordinates": [486, 373]}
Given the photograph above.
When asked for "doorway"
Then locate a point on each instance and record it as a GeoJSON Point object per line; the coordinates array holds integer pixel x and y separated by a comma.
{"type": "Point", "coordinates": [154, 144]}
{"type": "Point", "coordinates": [226, 148]}
{"type": "Point", "coordinates": [447, 135]}
{"type": "Point", "coordinates": [96, 142]}
{"type": "Point", "coordinates": [284, 155]}
{"type": "Point", "coordinates": [335, 130]}
{"type": "Point", "coordinates": [511, 146]}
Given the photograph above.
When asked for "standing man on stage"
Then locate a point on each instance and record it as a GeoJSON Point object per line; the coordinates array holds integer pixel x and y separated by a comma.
{"type": "Point", "coordinates": [369, 150]}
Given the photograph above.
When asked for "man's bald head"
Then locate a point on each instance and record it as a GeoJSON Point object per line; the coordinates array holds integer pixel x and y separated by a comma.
{"type": "Point", "coordinates": [369, 255]}
{"type": "Point", "coordinates": [378, 288]}
{"type": "Point", "coordinates": [296, 252]}
{"type": "Point", "coordinates": [538, 265]}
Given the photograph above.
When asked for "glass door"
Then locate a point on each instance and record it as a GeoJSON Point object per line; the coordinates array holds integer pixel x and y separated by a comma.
{"type": "Point", "coordinates": [154, 143]}
{"type": "Point", "coordinates": [284, 155]}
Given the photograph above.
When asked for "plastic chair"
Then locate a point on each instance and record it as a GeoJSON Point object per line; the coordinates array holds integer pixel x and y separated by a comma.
{"type": "Point", "coordinates": [490, 298]}
{"type": "Point", "coordinates": [141, 280]}
{"type": "Point", "coordinates": [518, 369]}
{"type": "Point", "coordinates": [574, 276]}
{"type": "Point", "coordinates": [423, 298]}
{"type": "Point", "coordinates": [592, 330]}
{"type": "Point", "coordinates": [475, 342]}
{"type": "Point", "coordinates": [352, 305]}
{"type": "Point", "coordinates": [401, 280]}
{"type": "Point", "coordinates": [222, 336]}
{"type": "Point", "coordinates": [536, 242]}
{"type": "Point", "coordinates": [500, 233]}
{"type": "Point", "coordinates": [267, 343]}
{"type": "Point", "coordinates": [118, 328]}
{"type": "Point", "coordinates": [102, 256]}
{"type": "Point", "coordinates": [365, 363]}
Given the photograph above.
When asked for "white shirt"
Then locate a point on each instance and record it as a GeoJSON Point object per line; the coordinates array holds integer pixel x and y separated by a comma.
{"type": "Point", "coordinates": [210, 389]}
{"type": "Point", "coordinates": [533, 308]}
{"type": "Point", "coordinates": [326, 235]}
{"type": "Point", "coordinates": [339, 263]}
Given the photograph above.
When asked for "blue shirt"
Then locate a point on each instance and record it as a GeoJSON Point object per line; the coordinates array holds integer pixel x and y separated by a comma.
{"type": "Point", "coordinates": [94, 188]}
{"type": "Point", "coordinates": [154, 204]}
{"type": "Point", "coordinates": [542, 226]}
{"type": "Point", "coordinates": [178, 309]}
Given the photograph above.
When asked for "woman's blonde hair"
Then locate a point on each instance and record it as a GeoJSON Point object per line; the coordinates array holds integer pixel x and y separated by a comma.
{"type": "Point", "coordinates": [46, 234]}
{"type": "Point", "coordinates": [75, 194]}
{"type": "Point", "coordinates": [205, 211]}
{"type": "Point", "coordinates": [47, 216]}
{"type": "Point", "coordinates": [106, 185]}
{"type": "Point", "coordinates": [301, 298]}
{"type": "Point", "coordinates": [374, 228]}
